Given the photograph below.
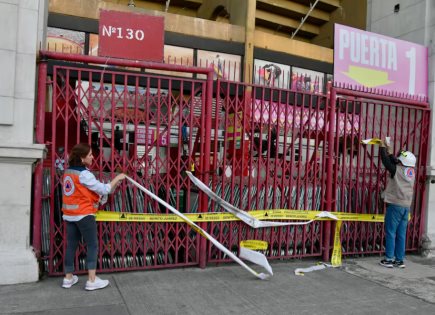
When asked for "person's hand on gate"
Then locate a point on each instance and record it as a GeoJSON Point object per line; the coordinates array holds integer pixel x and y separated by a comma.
{"type": "Point", "coordinates": [116, 180]}
{"type": "Point", "coordinates": [386, 143]}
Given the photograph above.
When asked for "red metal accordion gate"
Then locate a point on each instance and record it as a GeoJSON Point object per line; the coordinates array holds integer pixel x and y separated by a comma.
{"type": "Point", "coordinates": [257, 147]}
{"type": "Point", "coordinates": [358, 175]}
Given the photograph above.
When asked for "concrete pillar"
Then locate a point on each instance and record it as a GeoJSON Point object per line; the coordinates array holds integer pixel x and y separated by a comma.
{"type": "Point", "coordinates": [18, 263]}
{"type": "Point", "coordinates": [249, 40]}
{"type": "Point", "coordinates": [22, 25]}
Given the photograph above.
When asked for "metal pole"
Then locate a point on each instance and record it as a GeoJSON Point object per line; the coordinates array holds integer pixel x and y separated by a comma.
{"type": "Point", "coordinates": [122, 62]}
{"type": "Point", "coordinates": [206, 164]}
{"type": "Point", "coordinates": [305, 17]}
{"type": "Point", "coordinates": [329, 174]}
{"type": "Point", "coordinates": [38, 177]}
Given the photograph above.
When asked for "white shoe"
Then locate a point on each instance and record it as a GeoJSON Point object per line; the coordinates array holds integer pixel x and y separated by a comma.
{"type": "Point", "coordinates": [97, 284]}
{"type": "Point", "coordinates": [68, 283]}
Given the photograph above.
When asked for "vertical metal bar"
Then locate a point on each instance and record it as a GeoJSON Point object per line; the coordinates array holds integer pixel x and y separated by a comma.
{"type": "Point", "coordinates": [134, 153]}
{"type": "Point", "coordinates": [248, 108]}
{"type": "Point", "coordinates": [277, 161]}
{"type": "Point", "coordinates": [269, 125]}
{"type": "Point", "coordinates": [113, 103]}
{"type": "Point", "coordinates": [67, 113]}
{"type": "Point", "coordinates": [317, 148]}
{"type": "Point", "coordinates": [260, 146]}
{"type": "Point", "coordinates": [234, 167]}
{"type": "Point", "coordinates": [124, 157]}
{"type": "Point", "coordinates": [125, 243]}
{"type": "Point", "coordinates": [284, 181]}
{"type": "Point", "coordinates": [329, 173]}
{"type": "Point", "coordinates": [292, 185]}
{"type": "Point", "coordinates": [344, 171]}
{"type": "Point", "coordinates": [378, 181]}
{"type": "Point", "coordinates": [345, 179]}
{"type": "Point", "coordinates": [364, 160]}
{"type": "Point", "coordinates": [367, 179]}
{"type": "Point", "coordinates": [53, 133]}
{"type": "Point", "coordinates": [413, 149]}
{"type": "Point", "coordinates": [336, 191]}
{"type": "Point", "coordinates": [39, 137]}
{"type": "Point", "coordinates": [414, 130]}
{"type": "Point", "coordinates": [355, 146]}
{"type": "Point", "coordinates": [206, 162]}
{"type": "Point", "coordinates": [276, 182]}
{"type": "Point", "coordinates": [402, 129]}
{"type": "Point", "coordinates": [217, 122]}
{"type": "Point", "coordinates": [426, 127]}
{"type": "Point", "coordinates": [300, 138]}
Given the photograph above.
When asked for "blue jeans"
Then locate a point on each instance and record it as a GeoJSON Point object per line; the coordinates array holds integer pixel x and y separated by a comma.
{"type": "Point", "coordinates": [86, 227]}
{"type": "Point", "coordinates": [396, 222]}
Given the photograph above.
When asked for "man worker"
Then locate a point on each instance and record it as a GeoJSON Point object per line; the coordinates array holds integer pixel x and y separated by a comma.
{"type": "Point", "coordinates": [398, 197]}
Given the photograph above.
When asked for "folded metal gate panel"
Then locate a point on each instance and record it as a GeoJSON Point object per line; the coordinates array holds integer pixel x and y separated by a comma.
{"type": "Point", "coordinates": [268, 157]}
{"type": "Point", "coordinates": [358, 174]}
{"type": "Point", "coordinates": [135, 123]}
{"type": "Point", "coordinates": [257, 147]}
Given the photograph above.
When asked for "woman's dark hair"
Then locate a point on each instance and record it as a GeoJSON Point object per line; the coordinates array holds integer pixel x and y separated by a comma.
{"type": "Point", "coordinates": [78, 152]}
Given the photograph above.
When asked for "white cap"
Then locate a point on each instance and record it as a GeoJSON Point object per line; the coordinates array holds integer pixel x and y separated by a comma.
{"type": "Point", "coordinates": [407, 158]}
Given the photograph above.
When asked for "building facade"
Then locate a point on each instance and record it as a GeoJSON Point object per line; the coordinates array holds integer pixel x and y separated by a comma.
{"type": "Point", "coordinates": [252, 31]}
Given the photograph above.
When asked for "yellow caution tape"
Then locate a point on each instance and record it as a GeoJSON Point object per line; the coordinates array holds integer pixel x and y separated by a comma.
{"type": "Point", "coordinates": [273, 214]}
{"type": "Point", "coordinates": [110, 216]}
{"type": "Point", "coordinates": [372, 141]}
{"type": "Point", "coordinates": [254, 244]}
{"type": "Point", "coordinates": [336, 251]}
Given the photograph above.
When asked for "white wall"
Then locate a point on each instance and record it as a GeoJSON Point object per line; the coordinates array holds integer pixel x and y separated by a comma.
{"type": "Point", "coordinates": [22, 23]}
{"type": "Point", "coordinates": [415, 22]}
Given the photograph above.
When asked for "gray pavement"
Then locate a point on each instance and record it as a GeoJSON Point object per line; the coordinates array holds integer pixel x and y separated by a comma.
{"type": "Point", "coordinates": [361, 286]}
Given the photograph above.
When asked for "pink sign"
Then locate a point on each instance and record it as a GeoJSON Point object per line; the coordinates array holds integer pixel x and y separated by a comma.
{"type": "Point", "coordinates": [149, 137]}
{"type": "Point", "coordinates": [131, 36]}
{"type": "Point", "coordinates": [375, 61]}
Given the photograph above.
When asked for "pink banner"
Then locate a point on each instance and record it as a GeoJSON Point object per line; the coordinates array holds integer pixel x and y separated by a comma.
{"type": "Point", "coordinates": [302, 118]}
{"type": "Point", "coordinates": [375, 61]}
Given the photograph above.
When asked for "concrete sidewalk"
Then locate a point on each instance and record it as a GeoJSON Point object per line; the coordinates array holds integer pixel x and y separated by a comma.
{"type": "Point", "coordinates": [361, 286]}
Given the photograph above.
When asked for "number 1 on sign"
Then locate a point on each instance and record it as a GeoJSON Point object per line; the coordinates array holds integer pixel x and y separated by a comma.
{"type": "Point", "coordinates": [411, 55]}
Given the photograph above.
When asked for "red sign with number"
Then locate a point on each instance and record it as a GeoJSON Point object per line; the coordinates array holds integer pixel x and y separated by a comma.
{"type": "Point", "coordinates": [131, 36]}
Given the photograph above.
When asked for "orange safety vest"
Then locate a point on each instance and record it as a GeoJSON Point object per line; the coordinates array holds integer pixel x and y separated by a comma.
{"type": "Point", "coordinates": [77, 199]}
